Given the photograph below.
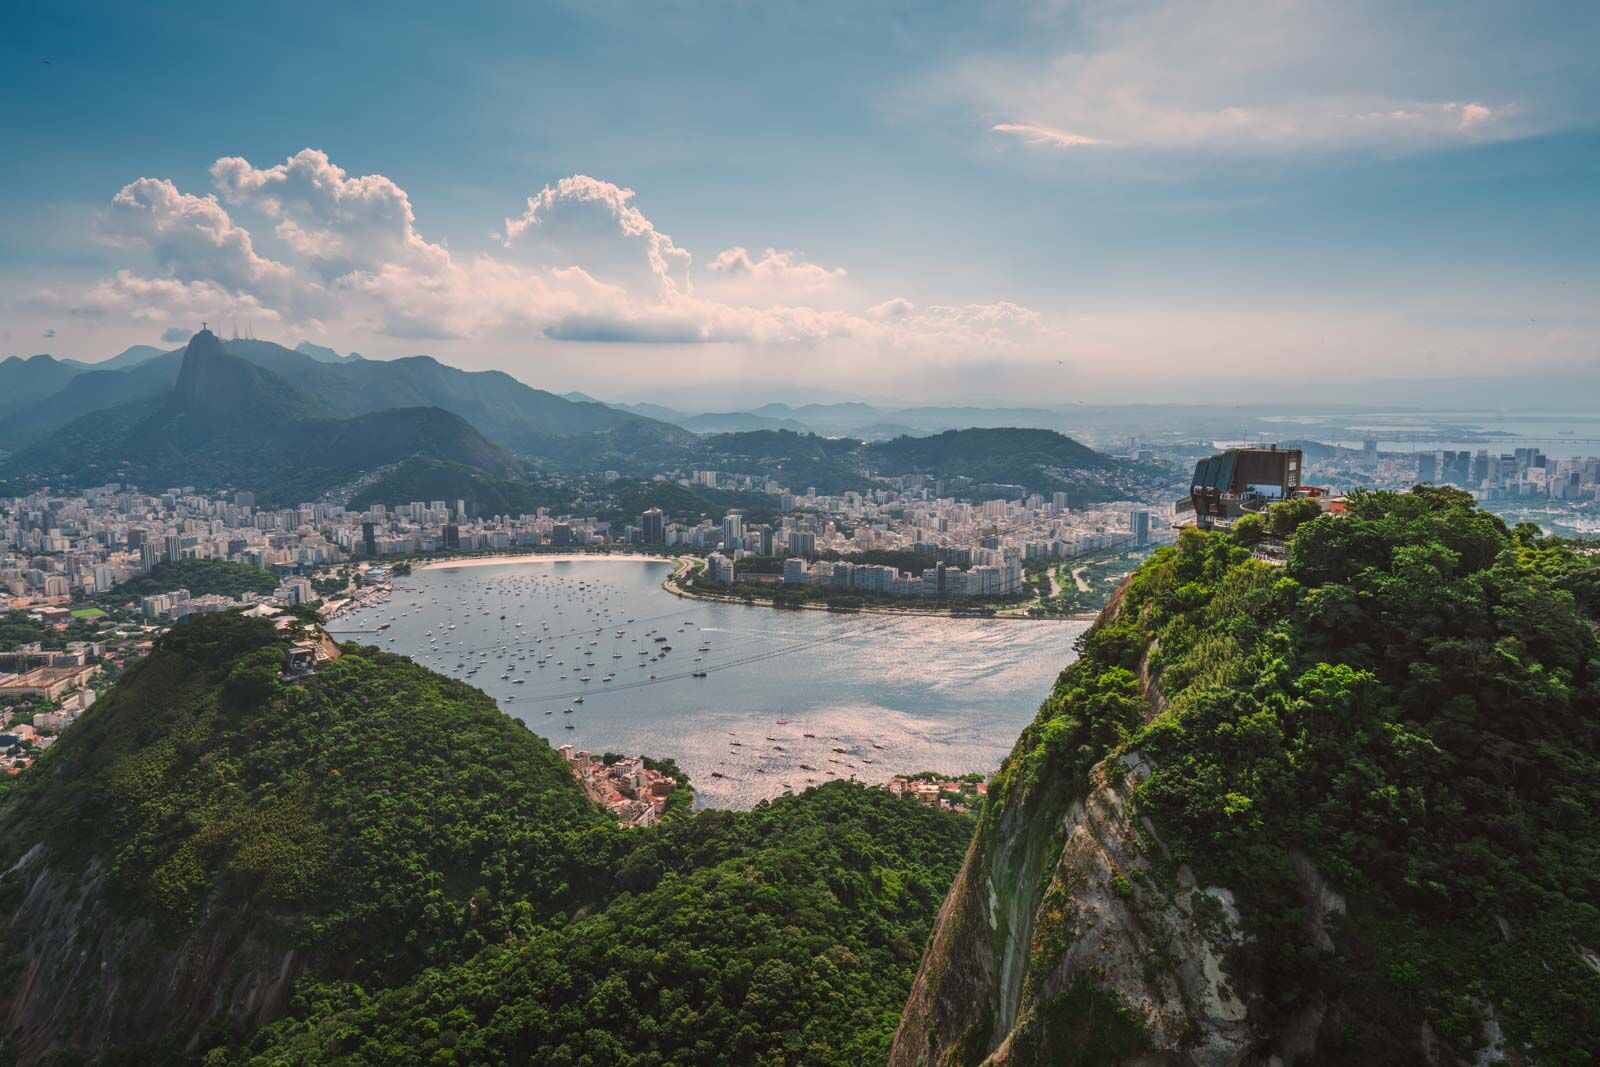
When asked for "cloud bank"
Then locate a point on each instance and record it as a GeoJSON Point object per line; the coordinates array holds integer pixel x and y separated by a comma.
{"type": "Point", "coordinates": [306, 245]}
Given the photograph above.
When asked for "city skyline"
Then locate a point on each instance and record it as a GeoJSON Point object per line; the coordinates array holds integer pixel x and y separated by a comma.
{"type": "Point", "coordinates": [1041, 203]}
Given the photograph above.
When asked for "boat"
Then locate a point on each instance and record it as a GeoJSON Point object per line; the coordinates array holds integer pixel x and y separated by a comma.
{"type": "Point", "coordinates": [571, 727]}
{"type": "Point", "coordinates": [577, 700]}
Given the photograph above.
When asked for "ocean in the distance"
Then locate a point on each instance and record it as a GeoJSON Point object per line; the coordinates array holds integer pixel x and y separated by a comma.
{"type": "Point", "coordinates": [894, 694]}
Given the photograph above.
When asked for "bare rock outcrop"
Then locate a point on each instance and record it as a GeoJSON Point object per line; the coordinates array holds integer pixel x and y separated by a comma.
{"type": "Point", "coordinates": [87, 978]}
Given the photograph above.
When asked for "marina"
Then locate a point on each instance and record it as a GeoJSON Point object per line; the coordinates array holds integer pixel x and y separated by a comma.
{"type": "Point", "coordinates": [751, 702]}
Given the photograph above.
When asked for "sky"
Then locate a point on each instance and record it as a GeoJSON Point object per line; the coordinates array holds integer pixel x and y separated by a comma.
{"type": "Point", "coordinates": [1037, 202]}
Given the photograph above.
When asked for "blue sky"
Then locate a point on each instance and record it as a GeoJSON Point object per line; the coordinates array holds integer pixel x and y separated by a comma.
{"type": "Point", "coordinates": [1040, 201]}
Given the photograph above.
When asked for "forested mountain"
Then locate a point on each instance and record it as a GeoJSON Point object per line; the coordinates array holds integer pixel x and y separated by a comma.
{"type": "Point", "coordinates": [27, 381]}
{"type": "Point", "coordinates": [397, 872]}
{"type": "Point", "coordinates": [70, 411]}
{"type": "Point", "coordinates": [91, 390]}
{"type": "Point", "coordinates": [1338, 811]}
{"type": "Point", "coordinates": [1041, 461]}
{"type": "Point", "coordinates": [515, 415]}
{"type": "Point", "coordinates": [798, 460]}
{"type": "Point", "coordinates": [1024, 457]}
{"type": "Point", "coordinates": [424, 477]}
{"type": "Point", "coordinates": [228, 422]}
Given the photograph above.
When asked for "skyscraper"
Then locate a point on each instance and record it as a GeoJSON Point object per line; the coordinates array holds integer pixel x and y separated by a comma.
{"type": "Point", "coordinates": [1139, 521]}
{"type": "Point", "coordinates": [732, 530]}
{"type": "Point", "coordinates": [653, 526]}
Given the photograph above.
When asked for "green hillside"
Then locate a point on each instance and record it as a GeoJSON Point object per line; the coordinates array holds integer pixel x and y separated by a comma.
{"type": "Point", "coordinates": [1360, 785]}
{"type": "Point", "coordinates": [798, 460]}
{"type": "Point", "coordinates": [202, 577]}
{"type": "Point", "coordinates": [785, 935]}
{"type": "Point", "coordinates": [625, 499]}
{"type": "Point", "coordinates": [1041, 460]}
{"type": "Point", "coordinates": [383, 861]}
{"type": "Point", "coordinates": [432, 478]}
{"type": "Point", "coordinates": [1038, 459]}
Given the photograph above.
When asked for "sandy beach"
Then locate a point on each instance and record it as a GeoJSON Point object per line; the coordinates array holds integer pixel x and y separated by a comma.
{"type": "Point", "coordinates": [540, 557]}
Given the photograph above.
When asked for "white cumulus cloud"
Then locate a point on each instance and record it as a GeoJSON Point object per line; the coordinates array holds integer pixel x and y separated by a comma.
{"type": "Point", "coordinates": [582, 264]}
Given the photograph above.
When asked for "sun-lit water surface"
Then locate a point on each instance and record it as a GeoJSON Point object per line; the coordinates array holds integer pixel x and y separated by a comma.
{"type": "Point", "coordinates": [895, 694]}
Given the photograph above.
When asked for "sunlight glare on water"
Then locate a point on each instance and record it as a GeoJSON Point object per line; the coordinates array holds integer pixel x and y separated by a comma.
{"type": "Point", "coordinates": [896, 695]}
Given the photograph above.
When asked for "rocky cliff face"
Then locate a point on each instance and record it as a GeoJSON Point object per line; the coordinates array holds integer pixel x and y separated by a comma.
{"type": "Point", "coordinates": [86, 979]}
{"type": "Point", "coordinates": [1072, 937]}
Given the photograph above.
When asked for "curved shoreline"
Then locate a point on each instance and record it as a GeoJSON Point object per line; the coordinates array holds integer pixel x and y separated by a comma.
{"type": "Point", "coordinates": [682, 564]}
{"type": "Point", "coordinates": [539, 557]}
{"type": "Point", "coordinates": [670, 584]}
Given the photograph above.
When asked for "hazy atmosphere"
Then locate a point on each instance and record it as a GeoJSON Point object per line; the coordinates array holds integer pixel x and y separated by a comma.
{"type": "Point", "coordinates": [1048, 201]}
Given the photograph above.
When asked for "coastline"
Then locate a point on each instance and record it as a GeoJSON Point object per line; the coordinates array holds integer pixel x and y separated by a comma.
{"type": "Point", "coordinates": [670, 584]}
{"type": "Point", "coordinates": [538, 557]}
{"type": "Point", "coordinates": [682, 564]}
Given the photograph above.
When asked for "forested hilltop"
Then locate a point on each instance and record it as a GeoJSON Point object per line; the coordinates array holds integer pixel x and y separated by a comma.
{"type": "Point", "coordinates": [397, 872]}
{"type": "Point", "coordinates": [1336, 811]}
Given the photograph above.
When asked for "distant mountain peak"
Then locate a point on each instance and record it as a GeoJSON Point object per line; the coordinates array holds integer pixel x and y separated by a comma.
{"type": "Point", "coordinates": [323, 354]}
{"type": "Point", "coordinates": [215, 387]}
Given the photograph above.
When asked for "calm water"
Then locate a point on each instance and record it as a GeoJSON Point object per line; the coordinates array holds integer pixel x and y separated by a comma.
{"type": "Point", "coordinates": [897, 695]}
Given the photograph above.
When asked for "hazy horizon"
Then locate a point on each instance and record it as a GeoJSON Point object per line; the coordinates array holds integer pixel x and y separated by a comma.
{"type": "Point", "coordinates": [1030, 204]}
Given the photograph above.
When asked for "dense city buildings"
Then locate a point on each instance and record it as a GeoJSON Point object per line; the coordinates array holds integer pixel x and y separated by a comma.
{"type": "Point", "coordinates": [54, 548]}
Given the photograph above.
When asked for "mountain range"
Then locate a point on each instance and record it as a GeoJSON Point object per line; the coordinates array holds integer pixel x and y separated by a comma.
{"type": "Point", "coordinates": [40, 395]}
{"type": "Point", "coordinates": [229, 422]}
{"type": "Point", "coordinates": [295, 424]}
